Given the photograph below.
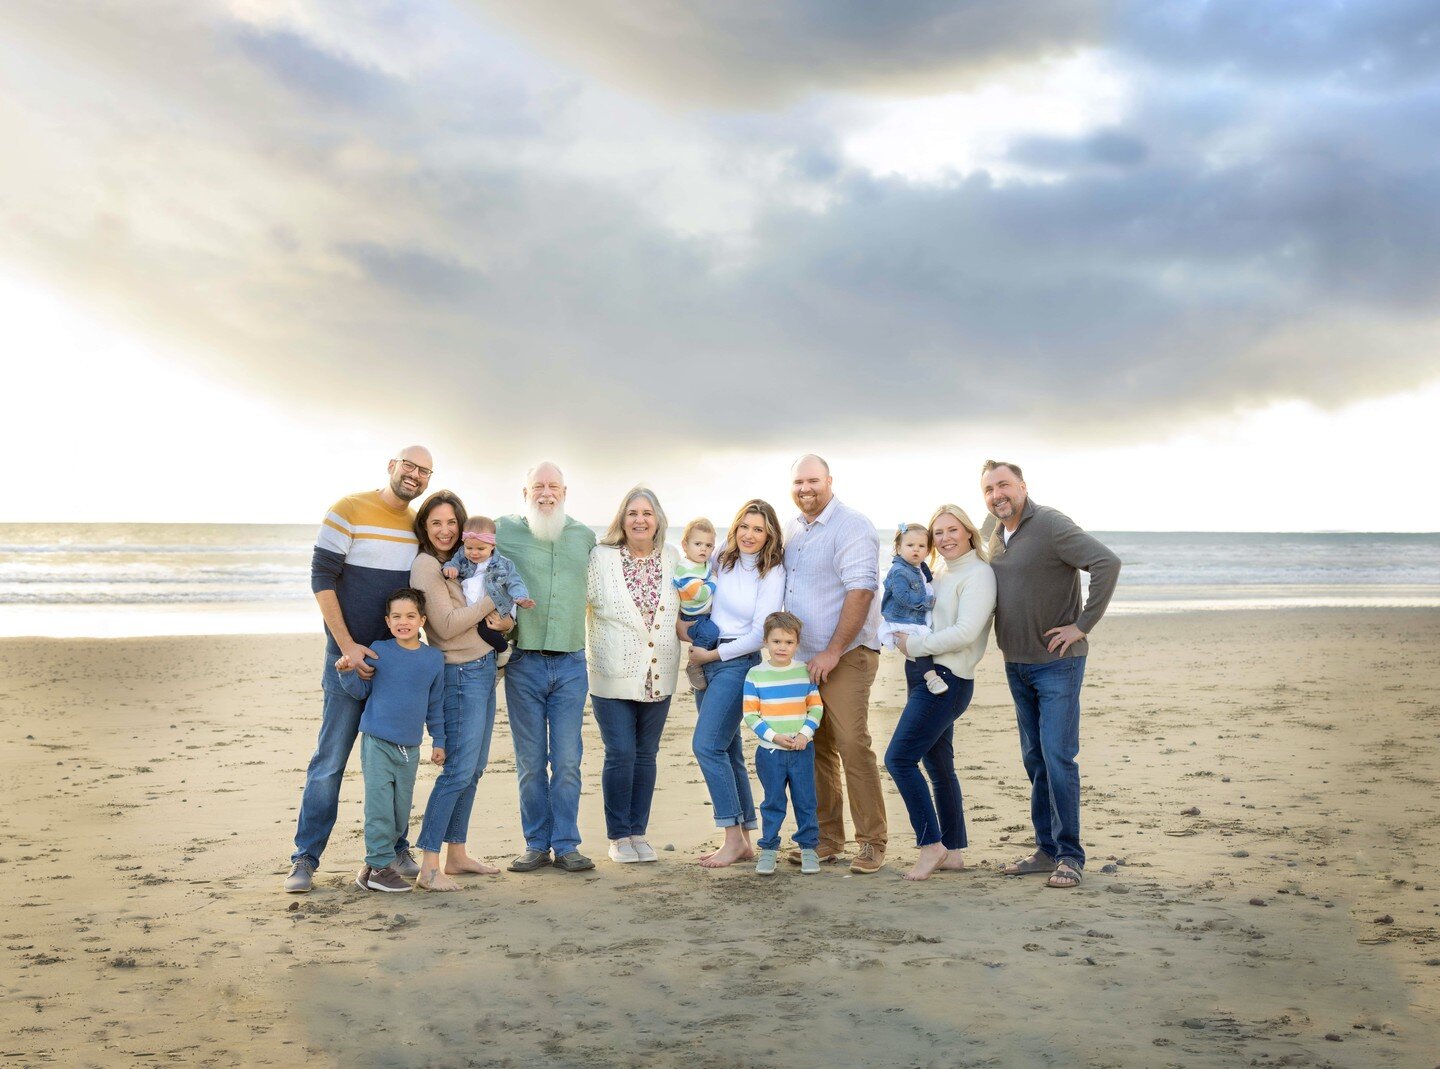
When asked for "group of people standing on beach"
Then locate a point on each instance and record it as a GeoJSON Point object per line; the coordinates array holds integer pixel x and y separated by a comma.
{"type": "Point", "coordinates": [567, 615]}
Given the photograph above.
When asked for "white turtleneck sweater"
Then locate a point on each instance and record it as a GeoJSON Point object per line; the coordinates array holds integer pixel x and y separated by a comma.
{"type": "Point", "coordinates": [742, 601]}
{"type": "Point", "coordinates": [964, 611]}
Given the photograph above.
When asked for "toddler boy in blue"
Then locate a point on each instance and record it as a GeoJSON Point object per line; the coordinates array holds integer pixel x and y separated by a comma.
{"type": "Point", "coordinates": [406, 694]}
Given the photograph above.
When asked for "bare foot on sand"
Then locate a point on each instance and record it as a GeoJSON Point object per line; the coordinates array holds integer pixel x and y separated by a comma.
{"type": "Point", "coordinates": [932, 857]}
{"type": "Point", "coordinates": [953, 863]}
{"type": "Point", "coordinates": [435, 880]}
{"type": "Point", "coordinates": [464, 863]}
{"type": "Point", "coordinates": [727, 855]}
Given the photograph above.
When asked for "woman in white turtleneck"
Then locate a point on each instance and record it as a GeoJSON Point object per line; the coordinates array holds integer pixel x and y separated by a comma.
{"type": "Point", "coordinates": [749, 585]}
{"type": "Point", "coordinates": [964, 609]}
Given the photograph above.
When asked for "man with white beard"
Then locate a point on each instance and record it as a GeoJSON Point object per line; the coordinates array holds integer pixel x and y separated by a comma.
{"type": "Point", "coordinates": [546, 680]}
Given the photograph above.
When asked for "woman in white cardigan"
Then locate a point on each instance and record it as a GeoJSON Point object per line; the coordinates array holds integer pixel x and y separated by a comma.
{"type": "Point", "coordinates": [964, 609]}
{"type": "Point", "coordinates": [633, 658]}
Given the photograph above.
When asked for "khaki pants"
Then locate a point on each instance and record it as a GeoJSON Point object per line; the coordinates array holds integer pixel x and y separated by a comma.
{"type": "Point", "coordinates": [844, 739]}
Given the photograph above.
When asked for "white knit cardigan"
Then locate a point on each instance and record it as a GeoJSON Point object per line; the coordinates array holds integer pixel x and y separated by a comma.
{"type": "Point", "coordinates": [619, 648]}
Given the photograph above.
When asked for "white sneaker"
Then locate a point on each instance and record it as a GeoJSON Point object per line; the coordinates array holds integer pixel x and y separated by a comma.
{"type": "Point", "coordinates": [622, 851]}
{"type": "Point", "coordinates": [936, 685]}
{"type": "Point", "coordinates": [643, 850]}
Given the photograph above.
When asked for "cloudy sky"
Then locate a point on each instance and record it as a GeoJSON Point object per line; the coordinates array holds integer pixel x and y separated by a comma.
{"type": "Point", "coordinates": [1182, 259]}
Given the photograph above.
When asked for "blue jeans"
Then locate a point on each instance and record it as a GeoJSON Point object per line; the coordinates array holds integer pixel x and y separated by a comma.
{"type": "Point", "coordinates": [631, 731]}
{"type": "Point", "coordinates": [795, 768]}
{"type": "Point", "coordinates": [320, 802]}
{"type": "Point", "coordinates": [703, 633]}
{"type": "Point", "coordinates": [926, 733]}
{"type": "Point", "coordinates": [545, 694]}
{"type": "Point", "coordinates": [1047, 709]}
{"type": "Point", "coordinates": [469, 722]}
{"type": "Point", "coordinates": [717, 741]}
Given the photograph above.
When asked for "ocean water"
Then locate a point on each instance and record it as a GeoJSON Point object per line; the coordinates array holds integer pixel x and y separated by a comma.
{"type": "Point", "coordinates": [111, 580]}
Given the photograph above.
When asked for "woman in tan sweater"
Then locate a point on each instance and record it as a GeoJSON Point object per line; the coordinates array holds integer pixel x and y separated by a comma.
{"type": "Point", "coordinates": [450, 626]}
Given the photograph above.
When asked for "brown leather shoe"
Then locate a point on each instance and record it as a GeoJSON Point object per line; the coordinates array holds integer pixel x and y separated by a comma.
{"type": "Point", "coordinates": [869, 858]}
{"type": "Point", "coordinates": [836, 858]}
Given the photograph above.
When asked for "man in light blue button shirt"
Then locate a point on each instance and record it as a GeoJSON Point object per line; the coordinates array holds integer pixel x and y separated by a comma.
{"type": "Point", "coordinates": [832, 573]}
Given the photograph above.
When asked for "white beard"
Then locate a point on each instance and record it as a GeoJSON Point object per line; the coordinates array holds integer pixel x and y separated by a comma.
{"type": "Point", "coordinates": [545, 526]}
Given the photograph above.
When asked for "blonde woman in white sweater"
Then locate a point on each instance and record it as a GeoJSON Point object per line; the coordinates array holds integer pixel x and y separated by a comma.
{"type": "Point", "coordinates": [633, 658]}
{"type": "Point", "coordinates": [964, 609]}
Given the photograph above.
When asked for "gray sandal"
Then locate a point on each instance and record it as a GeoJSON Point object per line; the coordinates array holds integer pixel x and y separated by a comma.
{"type": "Point", "coordinates": [1039, 861]}
{"type": "Point", "coordinates": [1065, 871]}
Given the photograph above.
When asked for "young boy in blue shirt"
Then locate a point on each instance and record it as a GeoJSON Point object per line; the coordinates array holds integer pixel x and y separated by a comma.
{"type": "Point", "coordinates": [406, 693]}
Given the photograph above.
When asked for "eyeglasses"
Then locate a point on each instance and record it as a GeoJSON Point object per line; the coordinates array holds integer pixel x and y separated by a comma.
{"type": "Point", "coordinates": [409, 467]}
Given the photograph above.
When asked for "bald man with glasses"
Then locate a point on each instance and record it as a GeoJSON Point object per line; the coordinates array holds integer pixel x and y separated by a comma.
{"type": "Point", "coordinates": [363, 552]}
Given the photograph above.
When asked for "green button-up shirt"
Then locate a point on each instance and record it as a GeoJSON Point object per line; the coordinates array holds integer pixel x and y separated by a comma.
{"type": "Point", "coordinates": [554, 572]}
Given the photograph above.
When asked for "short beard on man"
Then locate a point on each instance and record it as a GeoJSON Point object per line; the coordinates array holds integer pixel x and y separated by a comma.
{"type": "Point", "coordinates": [547, 527]}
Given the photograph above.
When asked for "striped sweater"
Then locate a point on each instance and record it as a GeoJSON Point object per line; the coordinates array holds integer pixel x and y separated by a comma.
{"type": "Point", "coordinates": [781, 701]}
{"type": "Point", "coordinates": [363, 552]}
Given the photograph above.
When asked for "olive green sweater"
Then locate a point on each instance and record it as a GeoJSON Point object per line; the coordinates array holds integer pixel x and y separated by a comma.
{"type": "Point", "coordinates": [1037, 581]}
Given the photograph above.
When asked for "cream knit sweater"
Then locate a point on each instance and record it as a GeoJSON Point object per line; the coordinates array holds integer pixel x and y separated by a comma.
{"type": "Point", "coordinates": [964, 611]}
{"type": "Point", "coordinates": [618, 648]}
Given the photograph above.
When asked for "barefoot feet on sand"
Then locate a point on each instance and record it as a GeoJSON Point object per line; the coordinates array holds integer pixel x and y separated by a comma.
{"type": "Point", "coordinates": [455, 866]}
{"type": "Point", "coordinates": [727, 855]}
{"type": "Point", "coordinates": [932, 857]}
{"type": "Point", "coordinates": [435, 880]}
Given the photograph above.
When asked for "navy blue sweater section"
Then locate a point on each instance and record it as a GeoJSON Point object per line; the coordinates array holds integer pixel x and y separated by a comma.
{"type": "Point", "coordinates": [361, 593]}
{"type": "Point", "coordinates": [406, 694]}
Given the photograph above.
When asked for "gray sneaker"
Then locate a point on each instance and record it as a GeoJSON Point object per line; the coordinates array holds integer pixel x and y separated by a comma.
{"type": "Point", "coordinates": [301, 878]}
{"type": "Point", "coordinates": [362, 878]}
{"type": "Point", "coordinates": [387, 879]}
{"type": "Point", "coordinates": [696, 674]}
{"type": "Point", "coordinates": [574, 861]}
{"type": "Point", "coordinates": [405, 864]}
{"type": "Point", "coordinates": [530, 860]}
{"type": "Point", "coordinates": [765, 863]}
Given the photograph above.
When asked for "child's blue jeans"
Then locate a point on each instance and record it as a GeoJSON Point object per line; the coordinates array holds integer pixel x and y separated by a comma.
{"type": "Point", "coordinates": [704, 635]}
{"type": "Point", "coordinates": [777, 769]}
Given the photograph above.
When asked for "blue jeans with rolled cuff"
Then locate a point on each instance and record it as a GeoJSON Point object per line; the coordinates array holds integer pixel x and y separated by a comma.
{"type": "Point", "coordinates": [716, 741]}
{"type": "Point", "coordinates": [469, 724]}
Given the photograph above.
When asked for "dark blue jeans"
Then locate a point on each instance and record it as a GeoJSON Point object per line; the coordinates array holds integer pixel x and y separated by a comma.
{"type": "Point", "coordinates": [1047, 710]}
{"type": "Point", "coordinates": [716, 742]}
{"type": "Point", "coordinates": [796, 768]}
{"type": "Point", "coordinates": [925, 734]}
{"type": "Point", "coordinates": [469, 723]}
{"type": "Point", "coordinates": [631, 732]}
{"type": "Point", "coordinates": [320, 802]}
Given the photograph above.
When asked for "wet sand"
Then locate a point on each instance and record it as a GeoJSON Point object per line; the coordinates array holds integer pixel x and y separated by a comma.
{"type": "Point", "coordinates": [1260, 786]}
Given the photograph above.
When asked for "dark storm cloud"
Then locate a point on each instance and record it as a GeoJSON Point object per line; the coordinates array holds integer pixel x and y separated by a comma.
{"type": "Point", "coordinates": [344, 234]}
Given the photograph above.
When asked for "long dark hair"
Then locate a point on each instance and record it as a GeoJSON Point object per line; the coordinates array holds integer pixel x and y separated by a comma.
{"type": "Point", "coordinates": [772, 553]}
{"type": "Point", "coordinates": [430, 504]}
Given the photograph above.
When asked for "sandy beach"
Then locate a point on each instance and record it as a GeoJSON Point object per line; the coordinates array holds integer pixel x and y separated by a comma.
{"type": "Point", "coordinates": [1260, 808]}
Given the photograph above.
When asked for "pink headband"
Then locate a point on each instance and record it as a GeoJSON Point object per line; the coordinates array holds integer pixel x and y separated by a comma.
{"type": "Point", "coordinates": [478, 536]}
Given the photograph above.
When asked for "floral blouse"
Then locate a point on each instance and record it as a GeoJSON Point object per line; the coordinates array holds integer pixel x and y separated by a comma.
{"type": "Point", "coordinates": [642, 579]}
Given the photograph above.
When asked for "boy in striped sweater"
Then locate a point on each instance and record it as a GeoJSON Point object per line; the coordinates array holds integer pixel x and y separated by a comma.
{"type": "Point", "coordinates": [783, 708]}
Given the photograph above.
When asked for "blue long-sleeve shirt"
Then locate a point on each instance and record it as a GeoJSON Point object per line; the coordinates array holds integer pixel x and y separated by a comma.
{"type": "Point", "coordinates": [406, 694]}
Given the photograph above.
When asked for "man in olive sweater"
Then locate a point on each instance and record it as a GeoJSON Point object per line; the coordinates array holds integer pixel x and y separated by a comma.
{"type": "Point", "coordinates": [546, 678]}
{"type": "Point", "coordinates": [1038, 554]}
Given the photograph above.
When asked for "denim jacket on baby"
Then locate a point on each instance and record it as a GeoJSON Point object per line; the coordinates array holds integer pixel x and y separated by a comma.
{"type": "Point", "coordinates": [503, 584]}
{"type": "Point", "coordinates": [905, 600]}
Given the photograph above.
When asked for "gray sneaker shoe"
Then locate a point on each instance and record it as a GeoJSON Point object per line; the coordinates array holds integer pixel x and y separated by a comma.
{"type": "Point", "coordinates": [387, 879]}
{"type": "Point", "coordinates": [696, 674]}
{"type": "Point", "coordinates": [362, 878]}
{"type": "Point", "coordinates": [530, 860]}
{"type": "Point", "coordinates": [574, 861]}
{"type": "Point", "coordinates": [405, 864]}
{"type": "Point", "coordinates": [301, 878]}
{"type": "Point", "coordinates": [765, 863]}
{"type": "Point", "coordinates": [809, 861]}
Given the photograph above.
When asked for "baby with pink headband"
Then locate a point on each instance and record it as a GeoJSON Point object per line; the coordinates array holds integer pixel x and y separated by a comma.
{"type": "Point", "coordinates": [483, 572]}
